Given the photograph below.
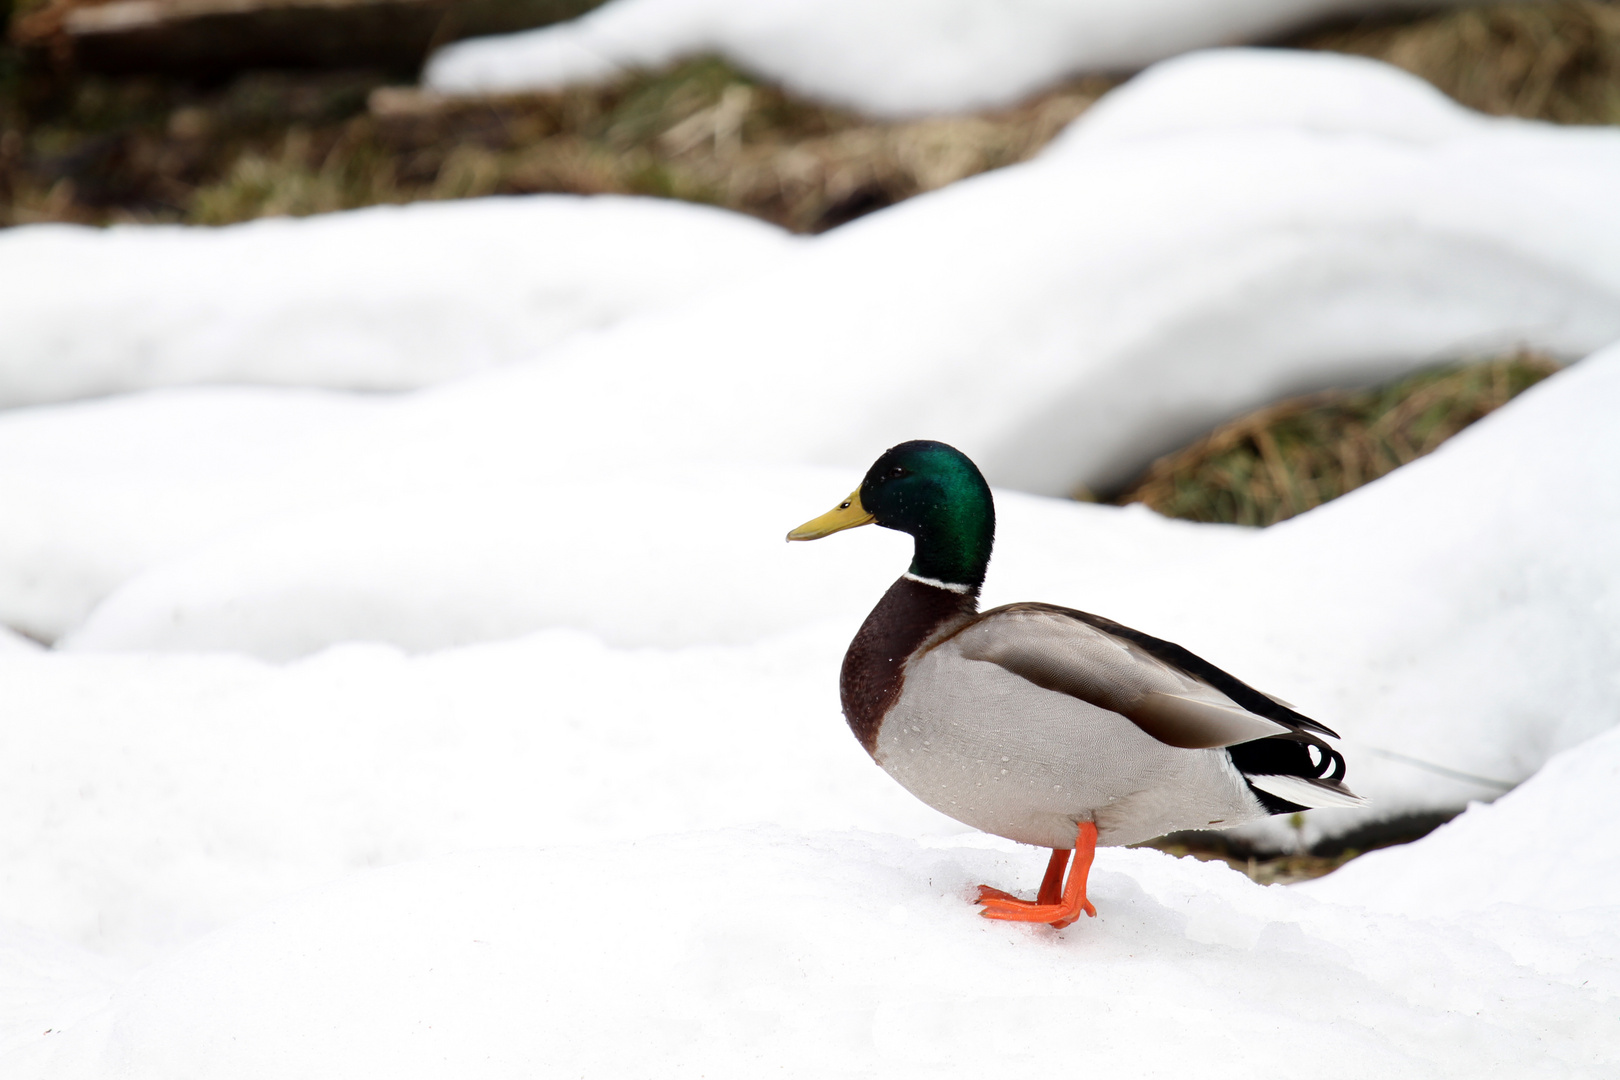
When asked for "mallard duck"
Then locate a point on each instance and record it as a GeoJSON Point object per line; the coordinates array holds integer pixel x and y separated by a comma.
{"type": "Point", "coordinates": [1043, 724]}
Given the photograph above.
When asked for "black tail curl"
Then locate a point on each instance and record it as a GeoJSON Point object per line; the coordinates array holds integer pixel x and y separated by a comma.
{"type": "Point", "coordinates": [1287, 755]}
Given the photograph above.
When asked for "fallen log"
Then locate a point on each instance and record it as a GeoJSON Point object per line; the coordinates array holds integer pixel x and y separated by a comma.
{"type": "Point", "coordinates": [215, 37]}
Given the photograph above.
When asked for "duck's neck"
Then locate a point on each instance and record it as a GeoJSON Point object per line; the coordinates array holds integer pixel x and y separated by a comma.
{"type": "Point", "coordinates": [914, 610]}
{"type": "Point", "coordinates": [953, 540]}
{"type": "Point", "coordinates": [954, 526]}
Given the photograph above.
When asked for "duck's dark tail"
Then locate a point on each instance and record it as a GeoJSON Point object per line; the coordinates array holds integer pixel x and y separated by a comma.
{"type": "Point", "coordinates": [1290, 773]}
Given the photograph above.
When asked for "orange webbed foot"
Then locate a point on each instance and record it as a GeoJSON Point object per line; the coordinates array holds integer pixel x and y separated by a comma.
{"type": "Point", "coordinates": [1057, 905]}
{"type": "Point", "coordinates": [1059, 915]}
{"type": "Point", "coordinates": [987, 894]}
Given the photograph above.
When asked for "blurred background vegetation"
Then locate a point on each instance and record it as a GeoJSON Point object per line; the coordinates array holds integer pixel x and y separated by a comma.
{"type": "Point", "coordinates": [1286, 458]}
{"type": "Point", "coordinates": [220, 122]}
{"type": "Point", "coordinates": [208, 143]}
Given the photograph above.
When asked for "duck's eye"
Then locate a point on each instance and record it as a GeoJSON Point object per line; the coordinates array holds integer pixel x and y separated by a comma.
{"type": "Point", "coordinates": [843, 506]}
{"type": "Point", "coordinates": [896, 473]}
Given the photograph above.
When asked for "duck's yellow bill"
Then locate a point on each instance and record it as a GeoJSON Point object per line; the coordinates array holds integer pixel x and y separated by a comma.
{"type": "Point", "coordinates": [846, 515]}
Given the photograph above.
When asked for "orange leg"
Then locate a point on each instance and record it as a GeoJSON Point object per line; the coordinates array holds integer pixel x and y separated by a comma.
{"type": "Point", "coordinates": [1059, 908]}
{"type": "Point", "coordinates": [1052, 884]}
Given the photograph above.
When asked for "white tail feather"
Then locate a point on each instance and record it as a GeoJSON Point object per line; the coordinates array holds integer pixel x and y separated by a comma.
{"type": "Point", "coordinates": [1297, 789]}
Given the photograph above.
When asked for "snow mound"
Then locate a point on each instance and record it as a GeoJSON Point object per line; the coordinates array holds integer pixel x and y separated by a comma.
{"type": "Point", "coordinates": [1067, 319]}
{"type": "Point", "coordinates": [456, 565]}
{"type": "Point", "coordinates": [143, 475]}
{"type": "Point", "coordinates": [889, 57]}
{"type": "Point", "coordinates": [1248, 88]}
{"type": "Point", "coordinates": [1062, 321]}
{"type": "Point", "coordinates": [1463, 612]}
{"type": "Point", "coordinates": [381, 299]}
{"type": "Point", "coordinates": [1546, 845]}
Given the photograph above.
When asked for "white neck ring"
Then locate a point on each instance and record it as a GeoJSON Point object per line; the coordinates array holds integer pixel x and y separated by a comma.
{"type": "Point", "coordinates": [948, 586]}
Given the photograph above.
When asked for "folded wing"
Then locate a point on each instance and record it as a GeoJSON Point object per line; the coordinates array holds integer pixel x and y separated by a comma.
{"type": "Point", "coordinates": [1063, 654]}
{"type": "Point", "coordinates": [1171, 694]}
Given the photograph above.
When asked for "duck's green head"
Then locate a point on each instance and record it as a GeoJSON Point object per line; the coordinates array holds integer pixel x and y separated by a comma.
{"type": "Point", "coordinates": [931, 491]}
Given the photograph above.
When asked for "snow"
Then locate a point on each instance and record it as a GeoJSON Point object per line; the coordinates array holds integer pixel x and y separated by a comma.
{"type": "Point", "coordinates": [479, 562]}
{"type": "Point", "coordinates": [1382, 614]}
{"type": "Point", "coordinates": [1246, 88]}
{"type": "Point", "coordinates": [99, 489]}
{"type": "Point", "coordinates": [1463, 612]}
{"type": "Point", "coordinates": [821, 952]}
{"type": "Point", "coordinates": [491, 729]}
{"type": "Point", "coordinates": [163, 797]}
{"type": "Point", "coordinates": [46, 981]}
{"type": "Point", "coordinates": [894, 57]}
{"type": "Point", "coordinates": [1063, 321]}
{"type": "Point", "coordinates": [11, 641]}
{"type": "Point", "coordinates": [381, 299]}
{"type": "Point", "coordinates": [1550, 844]}
{"type": "Point", "coordinates": [167, 795]}
{"type": "Point", "coordinates": [151, 799]}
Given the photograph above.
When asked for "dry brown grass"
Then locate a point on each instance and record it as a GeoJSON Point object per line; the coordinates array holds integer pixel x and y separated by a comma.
{"type": "Point", "coordinates": [1556, 61]}
{"type": "Point", "coordinates": [1286, 458]}
{"type": "Point", "coordinates": [96, 150]}
{"type": "Point", "coordinates": [702, 131]}
{"type": "Point", "coordinates": [707, 133]}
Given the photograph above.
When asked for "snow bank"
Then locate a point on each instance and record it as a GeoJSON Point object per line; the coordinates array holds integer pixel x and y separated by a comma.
{"type": "Point", "coordinates": [1250, 88]}
{"type": "Point", "coordinates": [1547, 845]}
{"type": "Point", "coordinates": [1463, 612]}
{"type": "Point", "coordinates": [446, 567]}
{"type": "Point", "coordinates": [97, 490]}
{"type": "Point", "coordinates": [380, 299]}
{"type": "Point", "coordinates": [1070, 318]}
{"type": "Point", "coordinates": [892, 57]}
{"type": "Point", "coordinates": [1457, 618]}
{"type": "Point", "coordinates": [825, 953]}
{"type": "Point", "coordinates": [152, 474]}
{"type": "Point", "coordinates": [1063, 321]}
{"type": "Point", "coordinates": [1502, 229]}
